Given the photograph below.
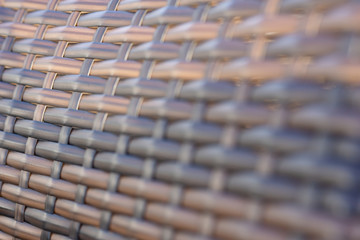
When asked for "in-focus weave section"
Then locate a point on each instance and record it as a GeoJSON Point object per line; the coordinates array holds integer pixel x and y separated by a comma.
{"type": "Point", "coordinates": [180, 119]}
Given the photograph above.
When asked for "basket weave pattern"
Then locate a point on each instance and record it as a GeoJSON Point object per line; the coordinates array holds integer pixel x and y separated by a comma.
{"type": "Point", "coordinates": [179, 119]}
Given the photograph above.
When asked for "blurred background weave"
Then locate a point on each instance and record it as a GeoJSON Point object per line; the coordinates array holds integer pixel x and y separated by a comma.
{"type": "Point", "coordinates": [180, 119]}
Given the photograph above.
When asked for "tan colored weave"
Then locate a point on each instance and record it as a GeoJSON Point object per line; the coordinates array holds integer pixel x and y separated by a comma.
{"type": "Point", "coordinates": [180, 119]}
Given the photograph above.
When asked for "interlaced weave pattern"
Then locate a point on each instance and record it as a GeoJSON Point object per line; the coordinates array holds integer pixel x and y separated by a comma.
{"type": "Point", "coordinates": [180, 119]}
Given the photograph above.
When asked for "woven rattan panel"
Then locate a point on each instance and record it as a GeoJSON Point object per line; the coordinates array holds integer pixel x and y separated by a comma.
{"type": "Point", "coordinates": [180, 119]}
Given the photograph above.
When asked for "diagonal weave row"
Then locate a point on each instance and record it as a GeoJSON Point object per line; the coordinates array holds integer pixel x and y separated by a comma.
{"type": "Point", "coordinates": [180, 119]}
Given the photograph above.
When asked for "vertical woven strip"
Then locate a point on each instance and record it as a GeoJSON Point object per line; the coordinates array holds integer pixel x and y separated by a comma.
{"type": "Point", "coordinates": [180, 119]}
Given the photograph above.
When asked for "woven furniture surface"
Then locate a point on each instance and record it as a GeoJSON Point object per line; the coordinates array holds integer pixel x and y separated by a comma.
{"type": "Point", "coordinates": [180, 119]}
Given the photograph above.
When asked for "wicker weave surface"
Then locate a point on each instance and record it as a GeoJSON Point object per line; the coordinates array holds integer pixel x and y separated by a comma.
{"type": "Point", "coordinates": [179, 119]}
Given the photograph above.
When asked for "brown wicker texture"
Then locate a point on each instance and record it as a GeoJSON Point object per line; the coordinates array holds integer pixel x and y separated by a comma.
{"type": "Point", "coordinates": [180, 119]}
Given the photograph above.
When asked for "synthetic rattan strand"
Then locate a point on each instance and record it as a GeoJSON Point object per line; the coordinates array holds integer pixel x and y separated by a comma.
{"type": "Point", "coordinates": [180, 119]}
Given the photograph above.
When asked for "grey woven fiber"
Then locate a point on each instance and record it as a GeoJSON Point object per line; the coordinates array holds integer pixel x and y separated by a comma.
{"type": "Point", "coordinates": [180, 119]}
